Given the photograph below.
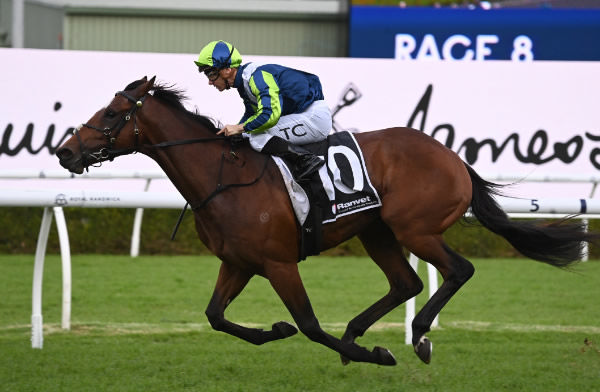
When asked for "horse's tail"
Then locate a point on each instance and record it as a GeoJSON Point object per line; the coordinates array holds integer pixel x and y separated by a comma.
{"type": "Point", "coordinates": [557, 243]}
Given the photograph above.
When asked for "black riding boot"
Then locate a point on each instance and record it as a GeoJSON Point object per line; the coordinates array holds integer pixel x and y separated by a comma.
{"type": "Point", "coordinates": [305, 164]}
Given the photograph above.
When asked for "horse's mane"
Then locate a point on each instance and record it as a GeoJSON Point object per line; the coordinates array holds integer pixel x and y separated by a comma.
{"type": "Point", "coordinates": [173, 97]}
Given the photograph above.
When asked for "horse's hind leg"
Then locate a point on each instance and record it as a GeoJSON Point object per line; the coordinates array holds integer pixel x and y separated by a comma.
{"type": "Point", "coordinates": [386, 252]}
{"type": "Point", "coordinates": [285, 279]}
{"type": "Point", "coordinates": [455, 271]}
{"type": "Point", "coordinates": [230, 283]}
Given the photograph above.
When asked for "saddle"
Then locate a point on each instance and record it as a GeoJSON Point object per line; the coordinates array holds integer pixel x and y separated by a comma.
{"type": "Point", "coordinates": [342, 187]}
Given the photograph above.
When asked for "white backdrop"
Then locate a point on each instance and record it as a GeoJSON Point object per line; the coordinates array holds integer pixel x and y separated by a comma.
{"type": "Point", "coordinates": [45, 91]}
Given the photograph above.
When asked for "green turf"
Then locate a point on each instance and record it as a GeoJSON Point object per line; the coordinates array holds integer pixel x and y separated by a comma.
{"type": "Point", "coordinates": [138, 325]}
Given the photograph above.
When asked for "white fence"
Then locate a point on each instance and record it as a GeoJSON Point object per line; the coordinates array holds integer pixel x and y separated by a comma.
{"type": "Point", "coordinates": [53, 201]}
{"type": "Point", "coordinates": [147, 176]}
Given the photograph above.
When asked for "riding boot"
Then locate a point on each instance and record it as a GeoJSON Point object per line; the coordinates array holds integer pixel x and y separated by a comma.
{"type": "Point", "coordinates": [304, 163]}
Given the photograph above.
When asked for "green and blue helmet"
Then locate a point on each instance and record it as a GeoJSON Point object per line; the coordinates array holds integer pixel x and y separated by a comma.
{"type": "Point", "coordinates": [219, 55]}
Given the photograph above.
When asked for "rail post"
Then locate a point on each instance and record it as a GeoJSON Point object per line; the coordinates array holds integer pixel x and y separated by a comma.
{"type": "Point", "coordinates": [137, 226]}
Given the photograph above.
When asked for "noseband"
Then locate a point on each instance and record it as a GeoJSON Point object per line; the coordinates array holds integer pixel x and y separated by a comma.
{"type": "Point", "coordinates": [111, 134]}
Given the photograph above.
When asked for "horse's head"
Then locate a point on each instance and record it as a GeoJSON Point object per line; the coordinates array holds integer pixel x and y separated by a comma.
{"type": "Point", "coordinates": [111, 132]}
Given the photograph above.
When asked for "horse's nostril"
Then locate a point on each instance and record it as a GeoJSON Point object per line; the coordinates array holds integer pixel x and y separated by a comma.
{"type": "Point", "coordinates": [64, 154]}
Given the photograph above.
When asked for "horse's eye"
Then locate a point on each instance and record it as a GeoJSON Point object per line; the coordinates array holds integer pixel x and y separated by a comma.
{"type": "Point", "coordinates": [109, 113]}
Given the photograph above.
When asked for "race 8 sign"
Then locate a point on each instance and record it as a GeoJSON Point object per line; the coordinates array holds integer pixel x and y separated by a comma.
{"type": "Point", "coordinates": [517, 34]}
{"type": "Point", "coordinates": [459, 47]}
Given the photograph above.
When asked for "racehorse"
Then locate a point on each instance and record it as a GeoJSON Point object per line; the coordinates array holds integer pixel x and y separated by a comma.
{"type": "Point", "coordinates": [247, 219]}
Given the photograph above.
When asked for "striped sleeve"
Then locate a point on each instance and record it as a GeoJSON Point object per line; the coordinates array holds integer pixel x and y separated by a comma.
{"type": "Point", "coordinates": [248, 112]}
{"type": "Point", "coordinates": [268, 110]}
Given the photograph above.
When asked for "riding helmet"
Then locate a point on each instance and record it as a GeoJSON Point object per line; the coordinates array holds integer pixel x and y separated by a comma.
{"type": "Point", "coordinates": [219, 54]}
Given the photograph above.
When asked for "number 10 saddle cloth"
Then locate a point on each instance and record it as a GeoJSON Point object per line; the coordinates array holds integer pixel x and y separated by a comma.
{"type": "Point", "coordinates": [342, 186]}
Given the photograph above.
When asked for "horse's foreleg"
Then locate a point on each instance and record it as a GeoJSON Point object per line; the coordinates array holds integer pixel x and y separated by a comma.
{"type": "Point", "coordinates": [230, 283]}
{"type": "Point", "coordinates": [286, 281]}
{"type": "Point", "coordinates": [455, 271]}
{"type": "Point", "coordinates": [386, 252]}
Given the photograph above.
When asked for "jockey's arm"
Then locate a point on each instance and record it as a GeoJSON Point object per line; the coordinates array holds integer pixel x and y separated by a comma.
{"type": "Point", "coordinates": [268, 110]}
{"type": "Point", "coordinates": [249, 111]}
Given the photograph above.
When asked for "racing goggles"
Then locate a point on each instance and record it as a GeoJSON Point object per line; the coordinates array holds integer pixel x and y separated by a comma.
{"type": "Point", "coordinates": [211, 73]}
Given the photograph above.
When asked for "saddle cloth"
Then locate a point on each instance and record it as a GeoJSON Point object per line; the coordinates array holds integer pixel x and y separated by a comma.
{"type": "Point", "coordinates": [344, 187]}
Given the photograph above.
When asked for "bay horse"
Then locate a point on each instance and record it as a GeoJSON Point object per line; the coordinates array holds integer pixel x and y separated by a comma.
{"type": "Point", "coordinates": [247, 220]}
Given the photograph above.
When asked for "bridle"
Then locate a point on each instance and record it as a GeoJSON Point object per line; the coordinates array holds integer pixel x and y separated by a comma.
{"type": "Point", "coordinates": [111, 134]}
{"type": "Point", "coordinates": [110, 153]}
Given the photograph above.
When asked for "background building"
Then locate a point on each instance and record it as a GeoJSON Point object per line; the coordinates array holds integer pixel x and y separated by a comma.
{"type": "Point", "coordinates": [263, 27]}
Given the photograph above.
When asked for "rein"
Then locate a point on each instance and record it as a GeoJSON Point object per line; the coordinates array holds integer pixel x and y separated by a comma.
{"type": "Point", "coordinates": [219, 188]}
{"type": "Point", "coordinates": [109, 153]}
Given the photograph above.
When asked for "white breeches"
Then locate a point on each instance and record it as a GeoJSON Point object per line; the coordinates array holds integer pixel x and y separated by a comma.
{"type": "Point", "coordinates": [312, 125]}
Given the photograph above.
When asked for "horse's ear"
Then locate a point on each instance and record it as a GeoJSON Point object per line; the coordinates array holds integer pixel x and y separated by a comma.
{"type": "Point", "coordinates": [148, 85]}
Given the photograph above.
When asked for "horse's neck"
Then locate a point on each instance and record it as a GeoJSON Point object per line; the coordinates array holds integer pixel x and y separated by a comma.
{"type": "Point", "coordinates": [190, 167]}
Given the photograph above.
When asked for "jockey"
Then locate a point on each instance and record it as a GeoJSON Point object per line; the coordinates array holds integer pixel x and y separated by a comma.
{"type": "Point", "coordinates": [284, 107]}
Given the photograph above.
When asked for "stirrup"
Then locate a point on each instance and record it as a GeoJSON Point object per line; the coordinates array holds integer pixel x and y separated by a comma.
{"type": "Point", "coordinates": [309, 168]}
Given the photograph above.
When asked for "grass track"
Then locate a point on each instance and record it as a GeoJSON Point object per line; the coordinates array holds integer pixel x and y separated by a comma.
{"type": "Point", "coordinates": [138, 325]}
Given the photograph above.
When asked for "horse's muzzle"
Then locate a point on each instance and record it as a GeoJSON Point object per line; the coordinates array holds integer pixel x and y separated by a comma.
{"type": "Point", "coordinates": [69, 160]}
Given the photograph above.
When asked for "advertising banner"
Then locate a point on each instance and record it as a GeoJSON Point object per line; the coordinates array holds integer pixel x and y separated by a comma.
{"type": "Point", "coordinates": [501, 117]}
{"type": "Point", "coordinates": [518, 34]}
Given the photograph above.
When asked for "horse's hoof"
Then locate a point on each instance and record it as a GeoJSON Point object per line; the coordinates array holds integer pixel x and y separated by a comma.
{"type": "Point", "coordinates": [345, 361]}
{"type": "Point", "coordinates": [285, 329]}
{"type": "Point", "coordinates": [423, 349]}
{"type": "Point", "coordinates": [384, 356]}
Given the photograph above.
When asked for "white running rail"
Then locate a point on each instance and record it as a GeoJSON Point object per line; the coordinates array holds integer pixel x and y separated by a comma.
{"type": "Point", "coordinates": [53, 202]}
